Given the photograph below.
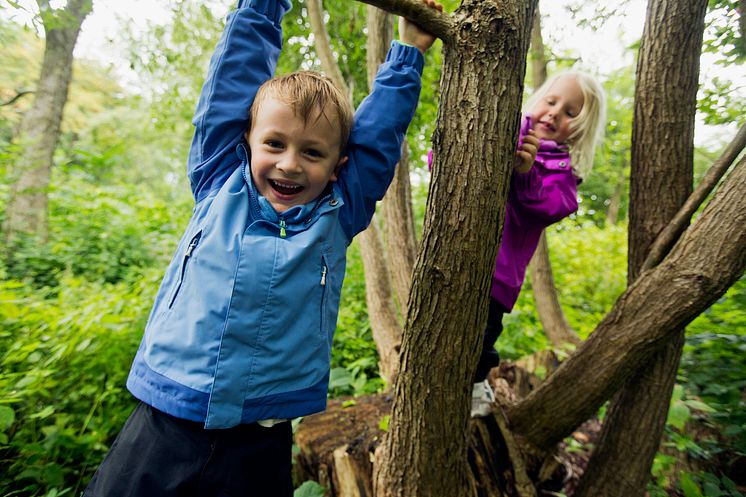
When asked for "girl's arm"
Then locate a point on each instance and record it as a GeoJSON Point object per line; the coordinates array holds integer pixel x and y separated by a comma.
{"type": "Point", "coordinates": [544, 197]}
{"type": "Point", "coordinates": [244, 58]}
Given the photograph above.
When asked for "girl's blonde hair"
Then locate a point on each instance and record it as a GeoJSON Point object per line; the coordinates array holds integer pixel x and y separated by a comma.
{"type": "Point", "coordinates": [587, 129]}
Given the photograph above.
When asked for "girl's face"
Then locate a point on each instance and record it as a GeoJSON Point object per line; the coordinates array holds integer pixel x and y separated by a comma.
{"type": "Point", "coordinates": [553, 114]}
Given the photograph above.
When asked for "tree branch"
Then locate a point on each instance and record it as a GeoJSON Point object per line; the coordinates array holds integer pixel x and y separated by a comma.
{"type": "Point", "coordinates": [678, 224]}
{"type": "Point", "coordinates": [323, 47]}
{"type": "Point", "coordinates": [18, 95]}
{"type": "Point", "coordinates": [438, 23]}
{"type": "Point", "coordinates": [703, 264]}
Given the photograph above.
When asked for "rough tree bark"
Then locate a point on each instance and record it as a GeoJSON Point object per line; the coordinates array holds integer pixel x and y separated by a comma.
{"type": "Point", "coordinates": [660, 182]}
{"type": "Point", "coordinates": [26, 212]}
{"type": "Point", "coordinates": [485, 44]}
{"type": "Point", "coordinates": [553, 320]}
{"type": "Point", "coordinates": [384, 323]}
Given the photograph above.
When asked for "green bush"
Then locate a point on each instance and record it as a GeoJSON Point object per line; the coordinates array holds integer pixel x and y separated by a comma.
{"type": "Point", "coordinates": [64, 364]}
{"type": "Point", "coordinates": [101, 233]}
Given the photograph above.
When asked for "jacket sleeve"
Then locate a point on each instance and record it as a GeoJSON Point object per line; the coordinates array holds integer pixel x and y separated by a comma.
{"type": "Point", "coordinates": [244, 58]}
{"type": "Point", "coordinates": [375, 143]}
{"type": "Point", "coordinates": [541, 199]}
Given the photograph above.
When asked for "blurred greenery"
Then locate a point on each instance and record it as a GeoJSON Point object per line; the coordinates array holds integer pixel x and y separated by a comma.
{"type": "Point", "coordinates": [73, 307]}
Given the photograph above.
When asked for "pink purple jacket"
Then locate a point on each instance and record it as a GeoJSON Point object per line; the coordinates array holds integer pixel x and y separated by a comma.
{"type": "Point", "coordinates": [539, 198]}
{"type": "Point", "coordinates": [544, 195]}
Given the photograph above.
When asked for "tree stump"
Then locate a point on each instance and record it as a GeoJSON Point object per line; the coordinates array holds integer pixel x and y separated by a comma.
{"type": "Point", "coordinates": [337, 447]}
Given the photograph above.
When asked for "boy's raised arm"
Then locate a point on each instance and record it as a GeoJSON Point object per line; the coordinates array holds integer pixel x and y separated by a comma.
{"type": "Point", "coordinates": [381, 123]}
{"type": "Point", "coordinates": [244, 58]}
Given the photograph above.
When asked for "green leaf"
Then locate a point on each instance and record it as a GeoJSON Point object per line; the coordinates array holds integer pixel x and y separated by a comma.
{"type": "Point", "coordinates": [678, 415]}
{"type": "Point", "coordinates": [7, 418]}
{"type": "Point", "coordinates": [44, 413]}
{"type": "Point", "coordinates": [712, 490]}
{"type": "Point", "coordinates": [309, 489]}
{"type": "Point", "coordinates": [384, 423]}
{"type": "Point", "coordinates": [698, 405]}
{"type": "Point", "coordinates": [689, 487]}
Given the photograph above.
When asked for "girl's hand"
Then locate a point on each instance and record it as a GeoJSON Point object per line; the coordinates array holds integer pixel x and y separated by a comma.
{"type": "Point", "coordinates": [526, 154]}
{"type": "Point", "coordinates": [412, 34]}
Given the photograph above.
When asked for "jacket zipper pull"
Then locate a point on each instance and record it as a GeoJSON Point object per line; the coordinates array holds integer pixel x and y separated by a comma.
{"type": "Point", "coordinates": [189, 250]}
{"type": "Point", "coordinates": [283, 234]}
{"type": "Point", "coordinates": [323, 276]}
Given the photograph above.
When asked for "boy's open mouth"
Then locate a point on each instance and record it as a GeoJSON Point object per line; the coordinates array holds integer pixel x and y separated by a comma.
{"type": "Point", "coordinates": [284, 188]}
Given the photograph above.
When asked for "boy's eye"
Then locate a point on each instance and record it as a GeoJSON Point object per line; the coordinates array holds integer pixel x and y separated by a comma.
{"type": "Point", "coordinates": [274, 144]}
{"type": "Point", "coordinates": [312, 152]}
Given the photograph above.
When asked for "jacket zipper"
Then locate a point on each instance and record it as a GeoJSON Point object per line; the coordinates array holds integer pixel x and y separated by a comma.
{"type": "Point", "coordinates": [192, 245]}
{"type": "Point", "coordinates": [283, 234]}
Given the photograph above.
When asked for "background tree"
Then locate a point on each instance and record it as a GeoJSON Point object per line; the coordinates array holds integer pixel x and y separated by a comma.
{"type": "Point", "coordinates": [661, 181]}
{"type": "Point", "coordinates": [26, 212]}
{"type": "Point", "coordinates": [548, 307]}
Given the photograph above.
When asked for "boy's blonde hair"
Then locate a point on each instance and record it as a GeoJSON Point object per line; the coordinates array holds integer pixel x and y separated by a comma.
{"type": "Point", "coordinates": [587, 129]}
{"type": "Point", "coordinates": [308, 92]}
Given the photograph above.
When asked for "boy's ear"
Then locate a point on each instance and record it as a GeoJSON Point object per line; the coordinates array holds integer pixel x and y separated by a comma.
{"type": "Point", "coordinates": [342, 161]}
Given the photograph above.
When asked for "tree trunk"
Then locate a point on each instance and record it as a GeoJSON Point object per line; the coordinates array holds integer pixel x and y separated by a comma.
{"type": "Point", "coordinates": [424, 451]}
{"type": "Point", "coordinates": [401, 243]}
{"type": "Point", "coordinates": [660, 183]}
{"type": "Point", "coordinates": [615, 203]}
{"type": "Point", "coordinates": [707, 260]}
{"type": "Point", "coordinates": [398, 217]}
{"type": "Point", "coordinates": [384, 323]}
{"type": "Point", "coordinates": [26, 212]}
{"type": "Point", "coordinates": [553, 320]}
{"type": "Point", "coordinates": [538, 52]}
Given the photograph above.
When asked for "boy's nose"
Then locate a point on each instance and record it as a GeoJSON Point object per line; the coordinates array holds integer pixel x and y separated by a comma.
{"type": "Point", "coordinates": [288, 163]}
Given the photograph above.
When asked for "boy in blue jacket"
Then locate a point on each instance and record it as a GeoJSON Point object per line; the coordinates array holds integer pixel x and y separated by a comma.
{"type": "Point", "coordinates": [239, 338]}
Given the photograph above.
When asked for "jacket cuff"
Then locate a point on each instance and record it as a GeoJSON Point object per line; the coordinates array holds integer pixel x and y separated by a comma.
{"type": "Point", "coordinates": [273, 9]}
{"type": "Point", "coordinates": [407, 55]}
{"type": "Point", "coordinates": [524, 181]}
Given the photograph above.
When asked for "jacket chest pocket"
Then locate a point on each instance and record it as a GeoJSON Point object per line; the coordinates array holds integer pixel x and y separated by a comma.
{"type": "Point", "coordinates": [188, 254]}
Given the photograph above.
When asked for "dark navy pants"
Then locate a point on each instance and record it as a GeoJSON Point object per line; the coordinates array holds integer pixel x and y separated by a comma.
{"type": "Point", "coordinates": [489, 357]}
{"type": "Point", "coordinates": [157, 455]}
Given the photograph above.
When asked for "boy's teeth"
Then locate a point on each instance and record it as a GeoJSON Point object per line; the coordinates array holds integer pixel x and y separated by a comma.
{"type": "Point", "coordinates": [285, 188]}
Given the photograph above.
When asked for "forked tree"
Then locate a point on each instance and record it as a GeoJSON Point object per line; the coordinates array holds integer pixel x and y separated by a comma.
{"type": "Point", "coordinates": [424, 451]}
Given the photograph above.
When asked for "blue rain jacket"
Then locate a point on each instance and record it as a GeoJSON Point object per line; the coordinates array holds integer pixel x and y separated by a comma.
{"type": "Point", "coordinates": [242, 325]}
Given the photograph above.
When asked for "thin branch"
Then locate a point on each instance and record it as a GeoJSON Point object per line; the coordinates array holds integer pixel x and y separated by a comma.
{"type": "Point", "coordinates": [439, 24]}
{"type": "Point", "coordinates": [671, 233]}
{"type": "Point", "coordinates": [18, 95]}
{"type": "Point", "coordinates": [322, 44]}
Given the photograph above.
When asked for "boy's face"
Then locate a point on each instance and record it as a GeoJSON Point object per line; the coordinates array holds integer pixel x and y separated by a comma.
{"type": "Point", "coordinates": [554, 114]}
{"type": "Point", "coordinates": [292, 161]}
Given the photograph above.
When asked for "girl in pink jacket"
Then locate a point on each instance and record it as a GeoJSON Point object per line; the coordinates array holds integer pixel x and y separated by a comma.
{"type": "Point", "coordinates": [564, 118]}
